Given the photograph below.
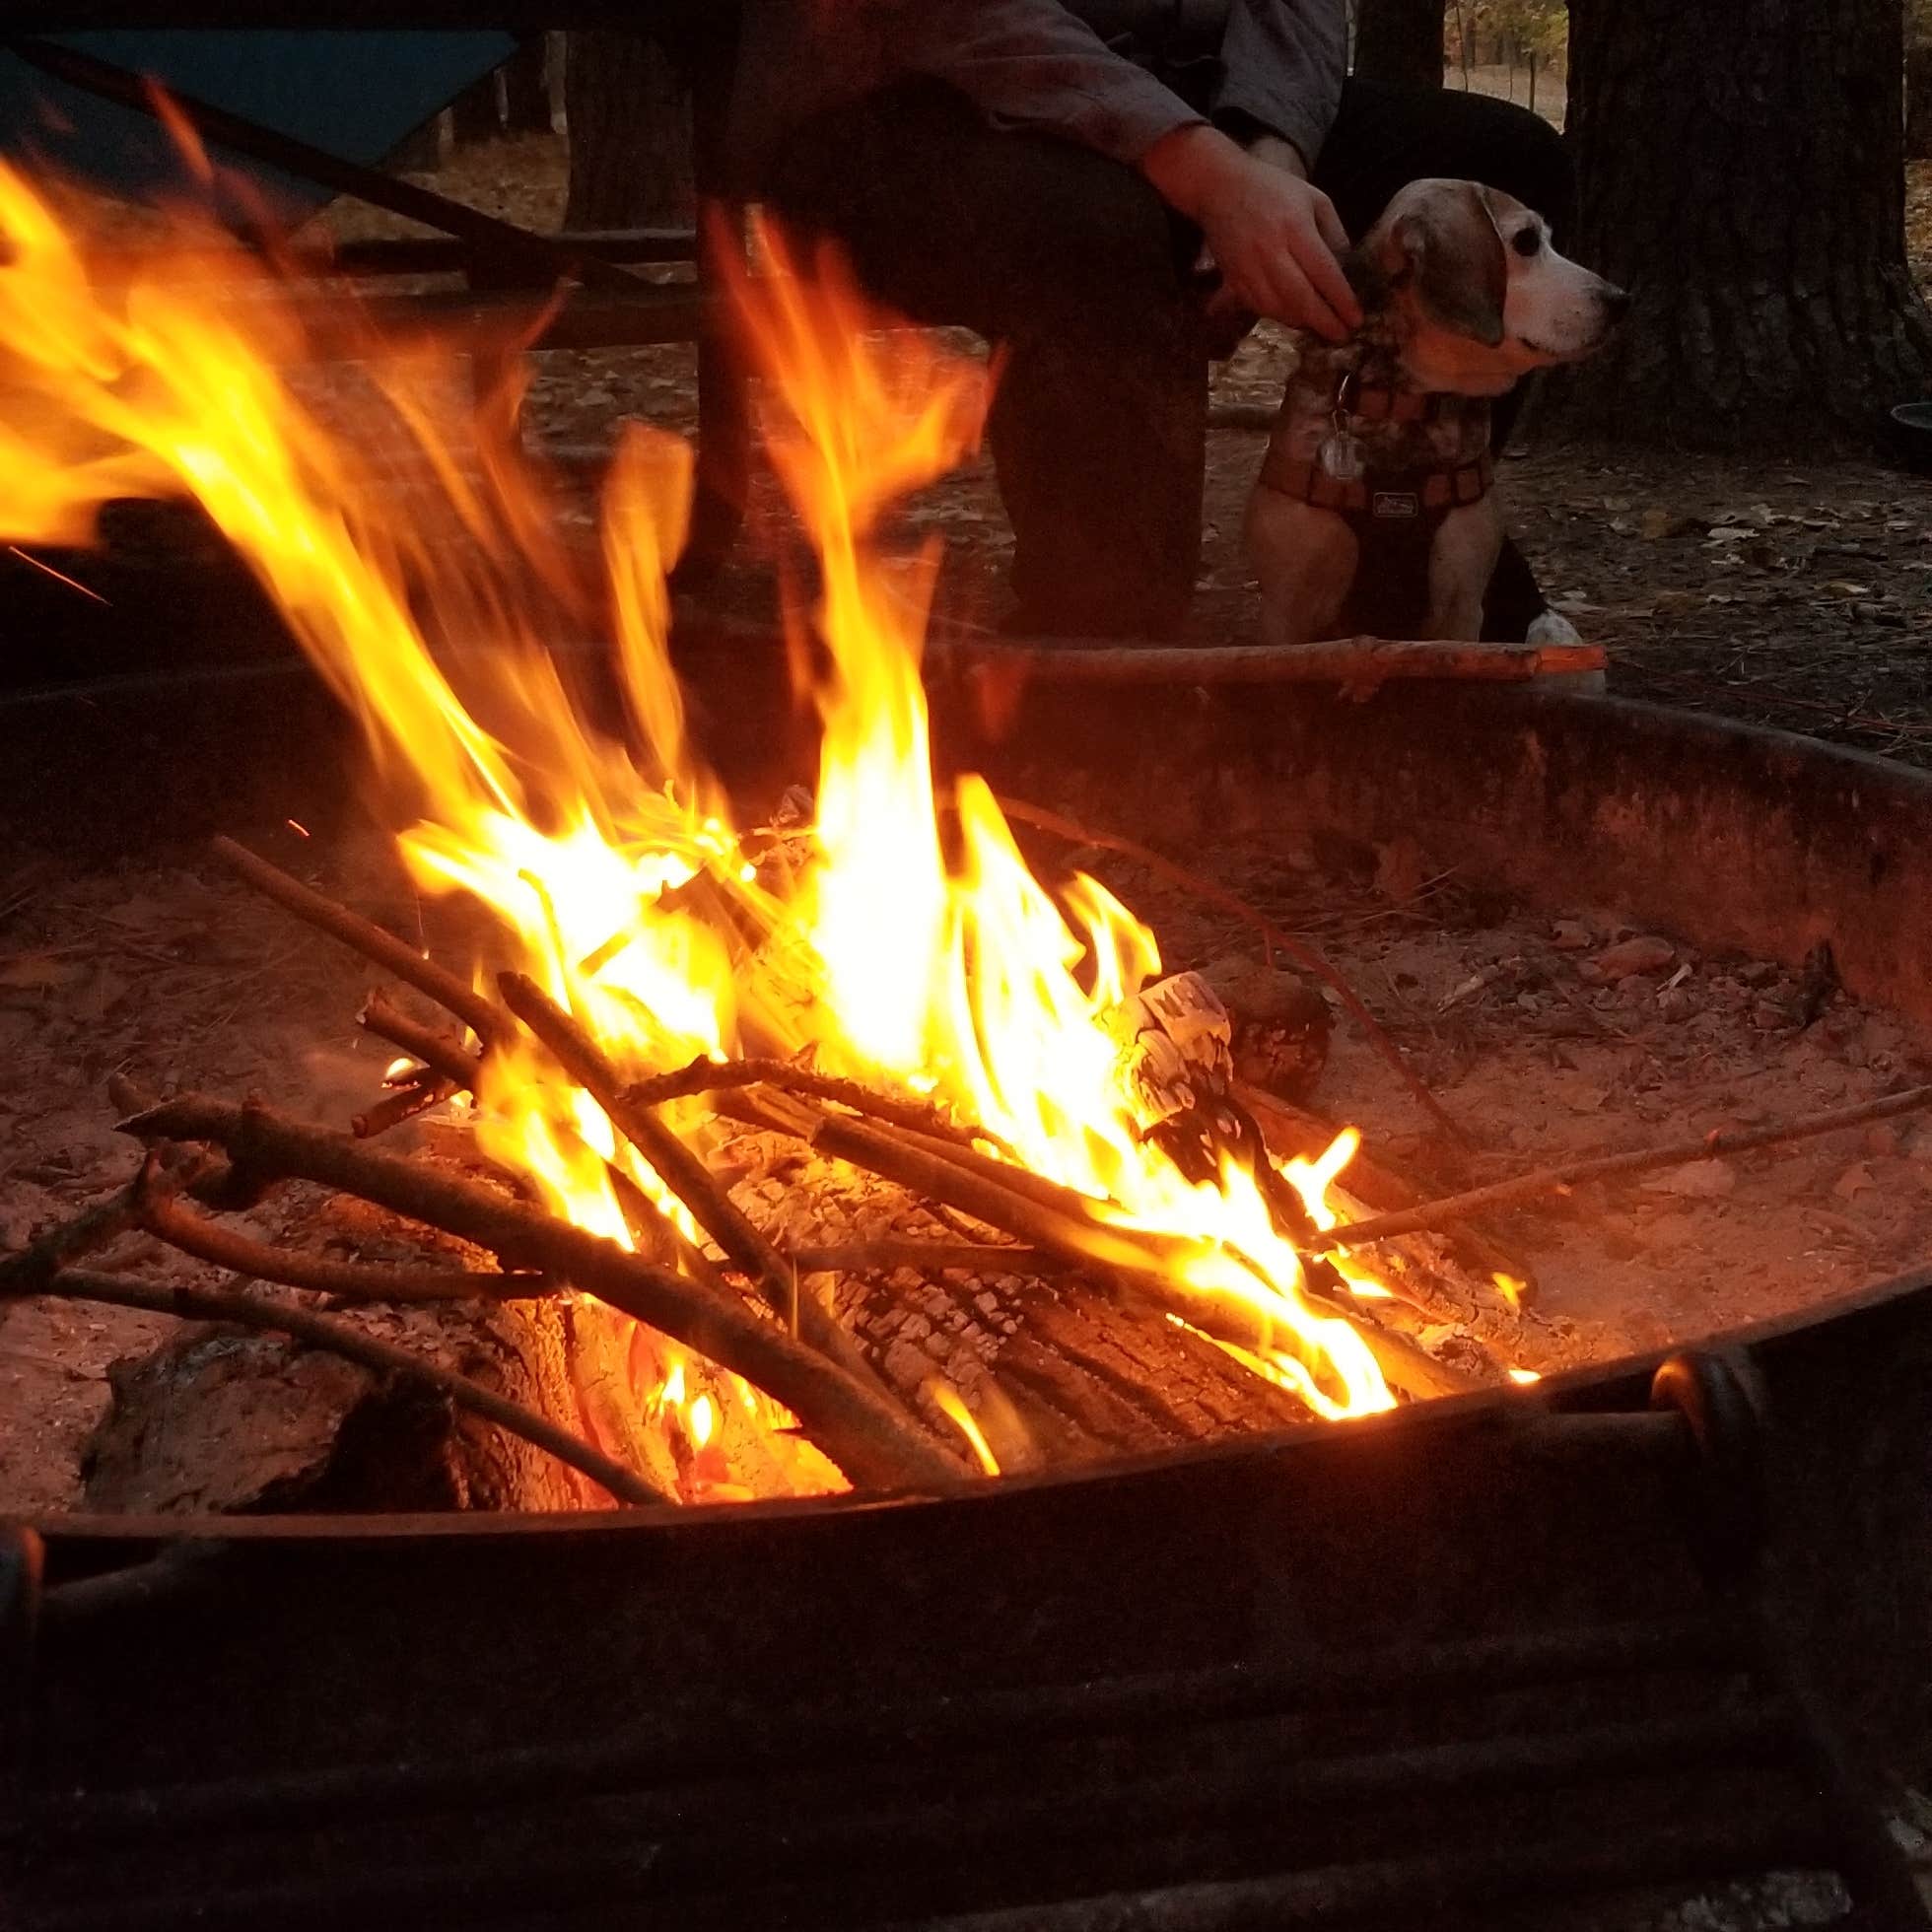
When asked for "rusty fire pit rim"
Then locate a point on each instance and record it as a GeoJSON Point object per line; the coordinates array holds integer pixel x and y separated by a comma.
{"type": "Point", "coordinates": [1621, 1384]}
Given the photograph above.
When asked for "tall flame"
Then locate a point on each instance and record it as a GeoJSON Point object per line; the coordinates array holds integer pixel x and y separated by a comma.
{"type": "Point", "coordinates": [414, 552]}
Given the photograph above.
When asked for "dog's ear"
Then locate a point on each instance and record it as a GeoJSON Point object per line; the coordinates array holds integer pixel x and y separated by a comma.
{"type": "Point", "coordinates": [1453, 249]}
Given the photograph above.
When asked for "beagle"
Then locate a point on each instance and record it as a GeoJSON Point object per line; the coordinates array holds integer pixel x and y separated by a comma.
{"type": "Point", "coordinates": [1375, 510]}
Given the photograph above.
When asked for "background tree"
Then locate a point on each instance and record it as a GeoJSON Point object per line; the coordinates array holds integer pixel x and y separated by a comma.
{"type": "Point", "coordinates": [1919, 81]}
{"type": "Point", "coordinates": [1400, 41]}
{"type": "Point", "coordinates": [526, 100]}
{"type": "Point", "coordinates": [628, 104]}
{"type": "Point", "coordinates": [1743, 172]}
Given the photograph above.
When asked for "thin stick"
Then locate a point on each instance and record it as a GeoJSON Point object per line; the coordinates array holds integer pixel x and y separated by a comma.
{"type": "Point", "coordinates": [682, 1172]}
{"type": "Point", "coordinates": [930, 1257]}
{"type": "Point", "coordinates": [1272, 935]}
{"type": "Point", "coordinates": [650, 1224]}
{"type": "Point", "coordinates": [380, 947]}
{"type": "Point", "coordinates": [726, 1076]}
{"type": "Point", "coordinates": [852, 1422]}
{"type": "Point", "coordinates": [195, 1234]}
{"type": "Point", "coordinates": [1600, 1167]}
{"type": "Point", "coordinates": [381, 1357]}
{"type": "Point", "coordinates": [1378, 1188]}
{"type": "Point", "coordinates": [401, 1104]}
{"type": "Point", "coordinates": [29, 1270]}
{"type": "Point", "coordinates": [428, 1046]}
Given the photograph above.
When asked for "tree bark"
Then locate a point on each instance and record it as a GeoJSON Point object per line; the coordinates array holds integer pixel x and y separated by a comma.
{"type": "Point", "coordinates": [1754, 203]}
{"type": "Point", "coordinates": [1400, 41]}
{"type": "Point", "coordinates": [1918, 101]}
{"type": "Point", "coordinates": [628, 107]}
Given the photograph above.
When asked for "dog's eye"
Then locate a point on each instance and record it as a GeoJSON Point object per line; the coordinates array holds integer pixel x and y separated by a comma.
{"type": "Point", "coordinates": [1528, 240]}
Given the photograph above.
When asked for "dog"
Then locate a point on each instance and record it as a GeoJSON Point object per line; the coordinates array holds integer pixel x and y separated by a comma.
{"type": "Point", "coordinates": [1375, 511]}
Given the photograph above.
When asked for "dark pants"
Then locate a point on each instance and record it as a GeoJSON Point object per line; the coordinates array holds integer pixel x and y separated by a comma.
{"type": "Point", "coordinates": [1076, 270]}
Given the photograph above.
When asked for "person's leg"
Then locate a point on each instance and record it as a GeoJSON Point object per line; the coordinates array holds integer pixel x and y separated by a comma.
{"type": "Point", "coordinates": [1072, 264]}
{"type": "Point", "coordinates": [1384, 137]}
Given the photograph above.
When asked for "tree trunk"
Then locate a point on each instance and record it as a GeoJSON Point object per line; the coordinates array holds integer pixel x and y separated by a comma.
{"type": "Point", "coordinates": [1400, 41]}
{"type": "Point", "coordinates": [1918, 101]}
{"type": "Point", "coordinates": [476, 113]}
{"type": "Point", "coordinates": [526, 89]}
{"type": "Point", "coordinates": [628, 108]}
{"type": "Point", "coordinates": [1754, 204]}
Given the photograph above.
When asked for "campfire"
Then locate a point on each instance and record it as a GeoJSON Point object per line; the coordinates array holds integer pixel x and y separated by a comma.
{"type": "Point", "coordinates": [842, 1149]}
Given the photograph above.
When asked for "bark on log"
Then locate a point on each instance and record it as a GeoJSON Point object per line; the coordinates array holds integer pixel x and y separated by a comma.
{"type": "Point", "coordinates": [1057, 1374]}
{"type": "Point", "coordinates": [217, 1419]}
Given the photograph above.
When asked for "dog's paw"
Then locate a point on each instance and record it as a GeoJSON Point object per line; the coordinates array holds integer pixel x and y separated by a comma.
{"type": "Point", "coordinates": [1552, 627]}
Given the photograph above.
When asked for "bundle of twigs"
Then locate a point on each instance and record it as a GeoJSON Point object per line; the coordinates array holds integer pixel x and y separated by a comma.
{"type": "Point", "coordinates": [742, 1299]}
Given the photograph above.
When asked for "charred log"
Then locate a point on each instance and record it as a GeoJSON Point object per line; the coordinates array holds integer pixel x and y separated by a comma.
{"type": "Point", "coordinates": [228, 1419]}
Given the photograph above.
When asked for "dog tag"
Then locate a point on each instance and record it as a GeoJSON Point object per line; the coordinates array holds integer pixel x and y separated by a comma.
{"type": "Point", "coordinates": [1340, 456]}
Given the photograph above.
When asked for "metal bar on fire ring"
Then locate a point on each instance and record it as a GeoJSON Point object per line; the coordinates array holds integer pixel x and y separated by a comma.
{"type": "Point", "coordinates": [488, 236]}
{"type": "Point", "coordinates": [1430, 1885]}
{"type": "Point", "coordinates": [990, 1809]}
{"type": "Point", "coordinates": [1707, 1639]}
{"type": "Point", "coordinates": [1778, 1835]}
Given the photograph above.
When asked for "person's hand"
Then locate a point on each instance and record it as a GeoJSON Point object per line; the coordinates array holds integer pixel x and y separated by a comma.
{"type": "Point", "coordinates": [1273, 235]}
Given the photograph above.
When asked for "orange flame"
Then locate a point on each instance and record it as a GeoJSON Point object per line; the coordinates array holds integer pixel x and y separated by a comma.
{"type": "Point", "coordinates": [414, 553]}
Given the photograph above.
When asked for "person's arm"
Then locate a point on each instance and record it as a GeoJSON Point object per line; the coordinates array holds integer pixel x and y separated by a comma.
{"type": "Point", "coordinates": [1031, 63]}
{"type": "Point", "coordinates": [1283, 65]}
{"type": "Point", "coordinates": [1272, 235]}
{"type": "Point", "coordinates": [1034, 64]}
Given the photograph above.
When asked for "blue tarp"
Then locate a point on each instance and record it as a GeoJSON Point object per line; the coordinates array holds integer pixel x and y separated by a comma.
{"type": "Point", "coordinates": [358, 96]}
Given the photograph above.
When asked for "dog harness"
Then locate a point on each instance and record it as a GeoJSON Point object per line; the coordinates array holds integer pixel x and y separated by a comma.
{"type": "Point", "coordinates": [1395, 515]}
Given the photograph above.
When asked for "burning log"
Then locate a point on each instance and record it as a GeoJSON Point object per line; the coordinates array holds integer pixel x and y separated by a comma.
{"type": "Point", "coordinates": [1071, 1227]}
{"type": "Point", "coordinates": [682, 1172]}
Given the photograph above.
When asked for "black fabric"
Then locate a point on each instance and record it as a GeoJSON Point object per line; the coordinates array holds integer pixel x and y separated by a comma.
{"type": "Point", "coordinates": [1391, 600]}
{"type": "Point", "coordinates": [1075, 268]}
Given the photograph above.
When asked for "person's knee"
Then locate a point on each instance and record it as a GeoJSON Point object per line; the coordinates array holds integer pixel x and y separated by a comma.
{"type": "Point", "coordinates": [1102, 255]}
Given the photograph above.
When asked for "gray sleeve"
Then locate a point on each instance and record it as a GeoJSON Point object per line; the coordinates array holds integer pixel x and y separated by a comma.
{"type": "Point", "coordinates": [1030, 63]}
{"type": "Point", "coordinates": [1283, 62]}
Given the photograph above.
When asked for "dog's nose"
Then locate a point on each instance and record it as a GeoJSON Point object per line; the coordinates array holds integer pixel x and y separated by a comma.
{"type": "Point", "coordinates": [1615, 302]}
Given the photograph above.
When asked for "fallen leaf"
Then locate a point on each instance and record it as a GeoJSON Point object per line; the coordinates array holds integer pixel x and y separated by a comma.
{"type": "Point", "coordinates": [39, 972]}
{"type": "Point", "coordinates": [1645, 953]}
{"type": "Point", "coordinates": [1695, 1180]}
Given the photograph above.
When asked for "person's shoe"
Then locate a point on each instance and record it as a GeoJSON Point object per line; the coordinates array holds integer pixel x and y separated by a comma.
{"type": "Point", "coordinates": [1553, 627]}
